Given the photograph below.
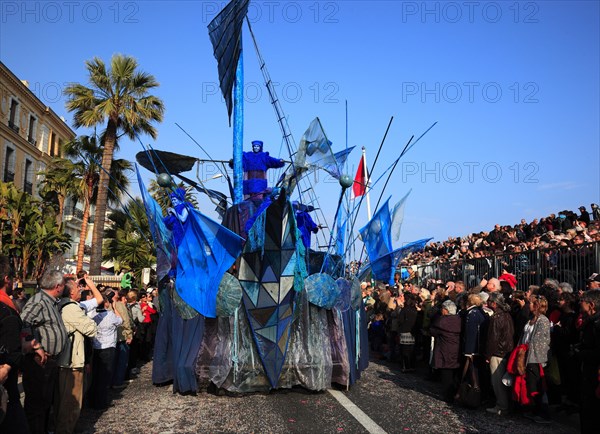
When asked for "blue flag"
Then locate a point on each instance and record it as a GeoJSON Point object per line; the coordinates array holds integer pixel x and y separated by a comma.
{"type": "Point", "coordinates": [376, 235]}
{"type": "Point", "coordinates": [384, 267]}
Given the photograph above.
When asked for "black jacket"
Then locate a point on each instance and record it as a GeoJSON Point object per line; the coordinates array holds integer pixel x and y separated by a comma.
{"type": "Point", "coordinates": [407, 319]}
{"type": "Point", "coordinates": [500, 334]}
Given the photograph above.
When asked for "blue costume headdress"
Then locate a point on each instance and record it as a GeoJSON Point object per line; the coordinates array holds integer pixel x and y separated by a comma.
{"type": "Point", "coordinates": [258, 143]}
{"type": "Point", "coordinates": [178, 193]}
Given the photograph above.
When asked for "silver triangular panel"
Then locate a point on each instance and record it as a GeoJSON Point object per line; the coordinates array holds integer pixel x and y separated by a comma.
{"type": "Point", "coordinates": [273, 289]}
{"type": "Point", "coordinates": [269, 333]}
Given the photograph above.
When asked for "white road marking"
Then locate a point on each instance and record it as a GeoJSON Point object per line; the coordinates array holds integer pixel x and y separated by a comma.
{"type": "Point", "coordinates": [357, 413]}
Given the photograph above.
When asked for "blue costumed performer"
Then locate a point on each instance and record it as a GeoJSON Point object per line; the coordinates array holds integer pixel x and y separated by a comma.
{"type": "Point", "coordinates": [174, 221]}
{"type": "Point", "coordinates": [305, 223]}
{"type": "Point", "coordinates": [255, 165]}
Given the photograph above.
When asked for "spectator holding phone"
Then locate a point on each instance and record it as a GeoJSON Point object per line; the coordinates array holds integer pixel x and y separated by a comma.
{"type": "Point", "coordinates": [85, 283]}
{"type": "Point", "coordinates": [105, 343]}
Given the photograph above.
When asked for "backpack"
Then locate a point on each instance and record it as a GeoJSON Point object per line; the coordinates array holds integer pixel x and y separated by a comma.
{"type": "Point", "coordinates": [65, 357]}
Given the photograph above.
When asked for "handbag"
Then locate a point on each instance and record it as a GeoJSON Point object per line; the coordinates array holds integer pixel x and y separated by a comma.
{"type": "Point", "coordinates": [469, 392]}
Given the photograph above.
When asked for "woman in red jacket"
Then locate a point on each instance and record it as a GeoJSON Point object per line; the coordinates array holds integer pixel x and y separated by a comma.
{"type": "Point", "coordinates": [145, 334]}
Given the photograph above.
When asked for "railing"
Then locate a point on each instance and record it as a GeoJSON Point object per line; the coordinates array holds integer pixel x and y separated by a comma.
{"type": "Point", "coordinates": [78, 214]}
{"type": "Point", "coordinates": [566, 264]}
{"type": "Point", "coordinates": [32, 140]}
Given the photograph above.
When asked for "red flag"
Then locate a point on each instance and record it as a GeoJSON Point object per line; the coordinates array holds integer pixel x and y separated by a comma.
{"type": "Point", "coordinates": [360, 180]}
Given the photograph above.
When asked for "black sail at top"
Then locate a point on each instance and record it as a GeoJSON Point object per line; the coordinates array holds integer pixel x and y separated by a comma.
{"type": "Point", "coordinates": [225, 32]}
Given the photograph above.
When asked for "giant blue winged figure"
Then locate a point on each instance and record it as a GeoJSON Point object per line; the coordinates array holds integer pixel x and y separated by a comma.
{"type": "Point", "coordinates": [199, 251]}
{"type": "Point", "coordinates": [205, 251]}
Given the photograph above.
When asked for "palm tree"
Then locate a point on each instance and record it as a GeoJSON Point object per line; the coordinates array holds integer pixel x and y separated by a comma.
{"type": "Point", "coordinates": [48, 240]}
{"type": "Point", "coordinates": [120, 98]}
{"type": "Point", "coordinates": [21, 210]}
{"type": "Point", "coordinates": [58, 184]}
{"type": "Point", "coordinates": [4, 189]}
{"type": "Point", "coordinates": [29, 230]}
{"type": "Point", "coordinates": [86, 154]}
{"type": "Point", "coordinates": [129, 241]}
{"type": "Point", "coordinates": [161, 195]}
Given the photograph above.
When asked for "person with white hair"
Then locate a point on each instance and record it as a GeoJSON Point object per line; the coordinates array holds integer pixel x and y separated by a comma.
{"type": "Point", "coordinates": [493, 285]}
{"type": "Point", "coordinates": [565, 287]}
{"type": "Point", "coordinates": [484, 298]}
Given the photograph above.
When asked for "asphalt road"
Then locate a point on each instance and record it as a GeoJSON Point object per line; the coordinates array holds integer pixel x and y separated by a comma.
{"type": "Point", "coordinates": [384, 400]}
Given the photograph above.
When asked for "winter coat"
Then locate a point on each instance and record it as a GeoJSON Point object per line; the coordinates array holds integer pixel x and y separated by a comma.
{"type": "Point", "coordinates": [519, 389]}
{"type": "Point", "coordinates": [475, 327]}
{"type": "Point", "coordinates": [539, 342]}
{"type": "Point", "coordinates": [407, 319]}
{"type": "Point", "coordinates": [500, 335]}
{"type": "Point", "coordinates": [446, 349]}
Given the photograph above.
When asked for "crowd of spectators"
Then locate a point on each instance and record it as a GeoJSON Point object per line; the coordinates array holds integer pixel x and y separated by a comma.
{"type": "Point", "coordinates": [71, 341]}
{"type": "Point", "coordinates": [527, 350]}
{"type": "Point", "coordinates": [564, 229]}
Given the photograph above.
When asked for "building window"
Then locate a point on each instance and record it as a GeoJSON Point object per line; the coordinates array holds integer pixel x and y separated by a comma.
{"type": "Point", "coordinates": [32, 128]}
{"type": "Point", "coordinates": [52, 144]}
{"type": "Point", "coordinates": [13, 117]}
{"type": "Point", "coordinates": [28, 179]}
{"type": "Point", "coordinates": [9, 165]}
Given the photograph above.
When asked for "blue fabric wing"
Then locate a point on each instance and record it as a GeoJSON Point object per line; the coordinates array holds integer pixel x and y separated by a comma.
{"type": "Point", "coordinates": [204, 255]}
{"type": "Point", "coordinates": [163, 240]}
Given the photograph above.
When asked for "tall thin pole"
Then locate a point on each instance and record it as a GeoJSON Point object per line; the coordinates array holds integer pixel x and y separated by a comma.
{"type": "Point", "coordinates": [368, 197]}
{"type": "Point", "coordinates": [238, 131]}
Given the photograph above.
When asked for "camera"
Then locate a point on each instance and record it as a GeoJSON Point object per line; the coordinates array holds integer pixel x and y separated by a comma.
{"type": "Point", "coordinates": [110, 296]}
{"type": "Point", "coordinates": [82, 282]}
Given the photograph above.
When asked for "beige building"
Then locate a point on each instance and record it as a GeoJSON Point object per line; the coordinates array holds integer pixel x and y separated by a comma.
{"type": "Point", "coordinates": [30, 133]}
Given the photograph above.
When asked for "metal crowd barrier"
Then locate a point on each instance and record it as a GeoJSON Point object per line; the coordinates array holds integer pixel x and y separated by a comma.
{"type": "Point", "coordinates": [566, 264]}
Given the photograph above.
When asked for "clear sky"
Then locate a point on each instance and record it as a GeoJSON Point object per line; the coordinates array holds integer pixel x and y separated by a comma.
{"type": "Point", "coordinates": [514, 87]}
